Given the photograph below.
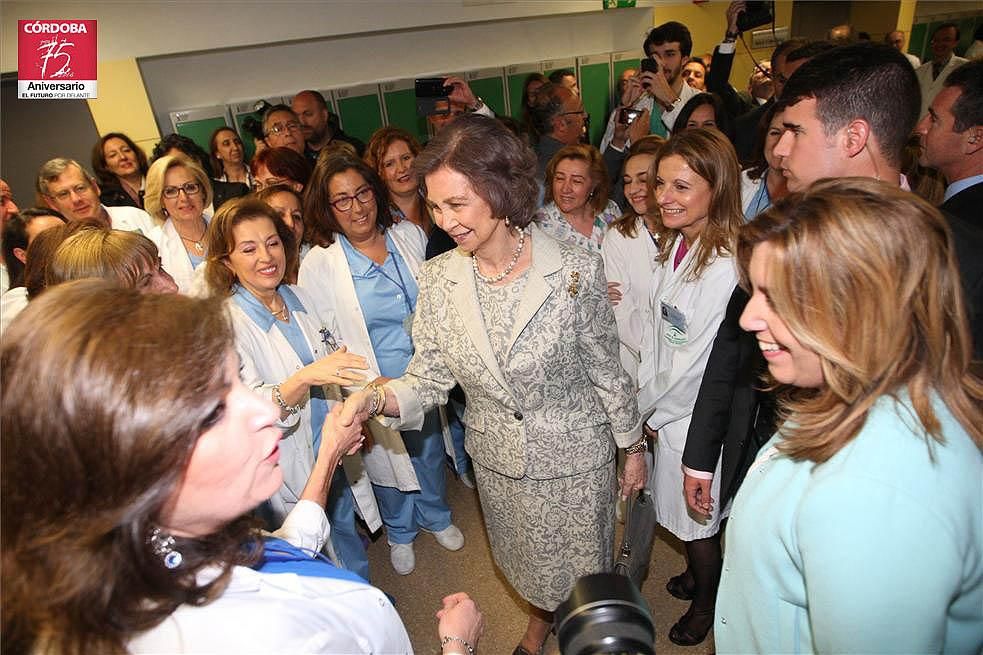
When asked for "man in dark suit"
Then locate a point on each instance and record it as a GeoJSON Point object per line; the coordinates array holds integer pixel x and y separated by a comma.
{"type": "Point", "coordinates": [952, 141]}
{"type": "Point", "coordinates": [819, 141]}
{"type": "Point", "coordinates": [746, 122]}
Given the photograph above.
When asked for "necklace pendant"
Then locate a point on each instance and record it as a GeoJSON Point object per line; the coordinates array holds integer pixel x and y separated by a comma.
{"type": "Point", "coordinates": [199, 246]}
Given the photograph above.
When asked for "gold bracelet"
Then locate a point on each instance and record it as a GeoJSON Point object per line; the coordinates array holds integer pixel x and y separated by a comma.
{"type": "Point", "coordinates": [639, 446]}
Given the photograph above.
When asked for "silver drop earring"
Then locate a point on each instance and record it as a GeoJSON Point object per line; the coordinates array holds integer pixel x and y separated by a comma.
{"type": "Point", "coordinates": [163, 546]}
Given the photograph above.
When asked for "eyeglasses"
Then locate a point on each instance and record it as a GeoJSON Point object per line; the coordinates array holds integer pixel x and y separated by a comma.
{"type": "Point", "coordinates": [280, 128]}
{"type": "Point", "coordinates": [259, 185]}
{"type": "Point", "coordinates": [189, 188]}
{"type": "Point", "coordinates": [65, 194]}
{"type": "Point", "coordinates": [365, 195]}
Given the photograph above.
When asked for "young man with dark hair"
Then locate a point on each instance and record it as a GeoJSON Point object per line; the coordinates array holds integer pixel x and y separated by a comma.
{"type": "Point", "coordinates": [847, 112]}
{"type": "Point", "coordinates": [662, 93]}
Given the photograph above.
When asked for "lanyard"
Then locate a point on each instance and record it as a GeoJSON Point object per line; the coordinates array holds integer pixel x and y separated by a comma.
{"type": "Point", "coordinates": [401, 284]}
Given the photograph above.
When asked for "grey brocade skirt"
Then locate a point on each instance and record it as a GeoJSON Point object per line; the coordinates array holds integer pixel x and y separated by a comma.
{"type": "Point", "coordinates": [545, 534]}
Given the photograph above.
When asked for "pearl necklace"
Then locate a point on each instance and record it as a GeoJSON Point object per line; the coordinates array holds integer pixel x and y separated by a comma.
{"type": "Point", "coordinates": [508, 269]}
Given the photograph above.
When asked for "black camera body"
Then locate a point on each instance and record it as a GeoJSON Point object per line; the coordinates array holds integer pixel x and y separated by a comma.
{"type": "Point", "coordinates": [432, 97]}
{"type": "Point", "coordinates": [757, 13]}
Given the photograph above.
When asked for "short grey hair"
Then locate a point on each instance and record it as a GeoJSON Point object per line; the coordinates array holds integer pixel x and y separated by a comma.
{"type": "Point", "coordinates": [52, 169]}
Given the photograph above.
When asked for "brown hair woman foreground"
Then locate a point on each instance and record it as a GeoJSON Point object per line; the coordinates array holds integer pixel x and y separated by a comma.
{"type": "Point", "coordinates": [132, 456]}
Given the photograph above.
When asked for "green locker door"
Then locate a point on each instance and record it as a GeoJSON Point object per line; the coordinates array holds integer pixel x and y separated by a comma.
{"type": "Point", "coordinates": [966, 28]}
{"type": "Point", "coordinates": [489, 85]}
{"type": "Point", "coordinates": [198, 124]}
{"type": "Point", "coordinates": [621, 61]}
{"type": "Point", "coordinates": [515, 78]}
{"type": "Point", "coordinates": [399, 98]}
{"type": "Point", "coordinates": [241, 111]}
{"type": "Point", "coordinates": [551, 65]}
{"type": "Point", "coordinates": [360, 110]}
{"type": "Point", "coordinates": [595, 89]}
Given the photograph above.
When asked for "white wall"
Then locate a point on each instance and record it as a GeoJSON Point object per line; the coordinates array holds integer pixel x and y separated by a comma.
{"type": "Point", "coordinates": [129, 29]}
{"type": "Point", "coordinates": [223, 77]}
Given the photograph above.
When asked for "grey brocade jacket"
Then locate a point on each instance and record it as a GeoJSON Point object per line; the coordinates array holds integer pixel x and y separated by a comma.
{"type": "Point", "coordinates": [571, 401]}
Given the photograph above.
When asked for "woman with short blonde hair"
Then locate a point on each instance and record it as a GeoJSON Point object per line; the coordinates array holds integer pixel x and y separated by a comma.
{"type": "Point", "coordinates": [128, 258]}
{"type": "Point", "coordinates": [870, 491]}
{"type": "Point", "coordinates": [178, 193]}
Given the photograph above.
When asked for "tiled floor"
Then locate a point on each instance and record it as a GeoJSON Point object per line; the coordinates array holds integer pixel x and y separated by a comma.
{"type": "Point", "coordinates": [439, 572]}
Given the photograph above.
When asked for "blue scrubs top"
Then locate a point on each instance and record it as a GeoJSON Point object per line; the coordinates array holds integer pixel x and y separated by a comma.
{"type": "Point", "coordinates": [387, 295]}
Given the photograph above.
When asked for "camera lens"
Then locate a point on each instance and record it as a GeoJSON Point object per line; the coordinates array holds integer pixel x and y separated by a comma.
{"type": "Point", "coordinates": [605, 614]}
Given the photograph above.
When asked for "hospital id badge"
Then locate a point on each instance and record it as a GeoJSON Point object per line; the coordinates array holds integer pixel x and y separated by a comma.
{"type": "Point", "coordinates": [675, 334]}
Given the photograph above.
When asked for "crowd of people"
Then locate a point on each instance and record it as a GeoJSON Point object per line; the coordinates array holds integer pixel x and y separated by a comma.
{"type": "Point", "coordinates": [765, 306]}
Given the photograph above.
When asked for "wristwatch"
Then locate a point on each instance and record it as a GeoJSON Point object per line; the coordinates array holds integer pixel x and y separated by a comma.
{"type": "Point", "coordinates": [478, 104]}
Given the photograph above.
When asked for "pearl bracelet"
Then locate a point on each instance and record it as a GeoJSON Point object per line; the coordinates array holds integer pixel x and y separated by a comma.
{"type": "Point", "coordinates": [446, 640]}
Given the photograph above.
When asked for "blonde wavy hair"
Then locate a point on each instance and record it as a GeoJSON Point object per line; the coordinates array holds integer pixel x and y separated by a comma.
{"type": "Point", "coordinates": [153, 199]}
{"type": "Point", "coordinates": [865, 275]}
{"type": "Point", "coordinates": [117, 255]}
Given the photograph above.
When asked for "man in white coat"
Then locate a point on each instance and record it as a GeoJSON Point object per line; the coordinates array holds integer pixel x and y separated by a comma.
{"type": "Point", "coordinates": [73, 191]}
{"type": "Point", "coordinates": [932, 74]}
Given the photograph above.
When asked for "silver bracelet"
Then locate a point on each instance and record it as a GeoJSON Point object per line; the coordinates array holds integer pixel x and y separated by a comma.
{"type": "Point", "coordinates": [290, 409]}
{"type": "Point", "coordinates": [446, 640]}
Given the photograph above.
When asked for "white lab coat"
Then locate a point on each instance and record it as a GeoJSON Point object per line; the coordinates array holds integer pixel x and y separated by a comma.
{"type": "Point", "coordinates": [12, 303]}
{"type": "Point", "coordinates": [131, 219]}
{"type": "Point", "coordinates": [326, 277]}
{"type": "Point", "coordinates": [174, 258]}
{"type": "Point", "coordinates": [631, 262]}
{"type": "Point", "coordinates": [267, 358]}
{"type": "Point", "coordinates": [282, 612]}
{"type": "Point", "coordinates": [671, 380]}
{"type": "Point", "coordinates": [929, 87]}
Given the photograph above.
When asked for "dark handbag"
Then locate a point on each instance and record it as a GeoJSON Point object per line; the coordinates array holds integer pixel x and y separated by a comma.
{"type": "Point", "coordinates": [636, 543]}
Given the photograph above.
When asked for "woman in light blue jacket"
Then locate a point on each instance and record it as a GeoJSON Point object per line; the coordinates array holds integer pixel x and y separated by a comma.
{"type": "Point", "coordinates": [859, 528]}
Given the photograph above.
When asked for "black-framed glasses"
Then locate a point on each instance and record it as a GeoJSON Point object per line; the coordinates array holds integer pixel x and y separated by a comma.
{"type": "Point", "coordinates": [189, 188]}
{"type": "Point", "coordinates": [280, 128]}
{"type": "Point", "coordinates": [365, 195]}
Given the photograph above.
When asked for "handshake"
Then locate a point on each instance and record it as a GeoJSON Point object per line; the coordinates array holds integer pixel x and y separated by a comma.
{"type": "Point", "coordinates": [344, 428]}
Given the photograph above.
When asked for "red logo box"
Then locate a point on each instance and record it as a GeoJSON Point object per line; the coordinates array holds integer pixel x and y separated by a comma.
{"type": "Point", "coordinates": [56, 59]}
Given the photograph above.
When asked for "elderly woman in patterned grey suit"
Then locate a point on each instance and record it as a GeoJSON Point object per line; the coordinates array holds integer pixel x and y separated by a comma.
{"type": "Point", "coordinates": [523, 323]}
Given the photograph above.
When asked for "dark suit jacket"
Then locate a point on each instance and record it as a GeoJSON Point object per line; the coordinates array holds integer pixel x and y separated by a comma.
{"type": "Point", "coordinates": [718, 81]}
{"type": "Point", "coordinates": [222, 191]}
{"type": "Point", "coordinates": [745, 129]}
{"type": "Point", "coordinates": [113, 195]}
{"type": "Point", "coordinates": [963, 211]}
{"type": "Point", "coordinates": [731, 413]}
{"type": "Point", "coordinates": [967, 205]}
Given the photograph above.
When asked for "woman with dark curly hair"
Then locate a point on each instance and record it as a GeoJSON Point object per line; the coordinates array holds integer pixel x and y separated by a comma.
{"type": "Point", "coordinates": [121, 166]}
